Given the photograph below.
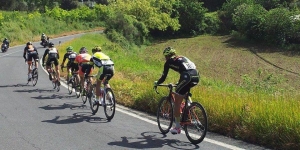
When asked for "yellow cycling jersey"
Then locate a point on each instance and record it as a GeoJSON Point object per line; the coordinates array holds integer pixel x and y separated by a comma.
{"type": "Point", "coordinates": [100, 59]}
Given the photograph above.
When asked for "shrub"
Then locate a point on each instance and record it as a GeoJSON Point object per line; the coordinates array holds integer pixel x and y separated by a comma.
{"type": "Point", "coordinates": [278, 25]}
{"type": "Point", "coordinates": [249, 20]}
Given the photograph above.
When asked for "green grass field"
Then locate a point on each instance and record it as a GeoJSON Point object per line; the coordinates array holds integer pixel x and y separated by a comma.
{"type": "Point", "coordinates": [248, 93]}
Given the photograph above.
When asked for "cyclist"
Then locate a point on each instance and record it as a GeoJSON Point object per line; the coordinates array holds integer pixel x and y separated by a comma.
{"type": "Point", "coordinates": [53, 55]}
{"type": "Point", "coordinates": [6, 41]}
{"type": "Point", "coordinates": [32, 53]}
{"type": "Point", "coordinates": [85, 66]}
{"type": "Point", "coordinates": [188, 74]}
{"type": "Point", "coordinates": [72, 65]}
{"type": "Point", "coordinates": [99, 59]}
{"type": "Point", "coordinates": [43, 37]}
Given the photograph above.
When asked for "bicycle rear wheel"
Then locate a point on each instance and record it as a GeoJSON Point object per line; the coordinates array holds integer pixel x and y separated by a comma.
{"type": "Point", "coordinates": [34, 76]}
{"type": "Point", "coordinates": [165, 115]}
{"type": "Point", "coordinates": [92, 99]}
{"type": "Point", "coordinates": [110, 104]}
{"type": "Point", "coordinates": [57, 86]}
{"type": "Point", "coordinates": [77, 90]}
{"type": "Point", "coordinates": [70, 86]}
{"type": "Point", "coordinates": [196, 127]}
{"type": "Point", "coordinates": [84, 97]}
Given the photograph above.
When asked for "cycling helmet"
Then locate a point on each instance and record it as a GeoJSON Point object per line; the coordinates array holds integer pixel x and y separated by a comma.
{"type": "Point", "coordinates": [51, 44]}
{"type": "Point", "coordinates": [5, 38]}
{"type": "Point", "coordinates": [43, 33]}
{"type": "Point", "coordinates": [28, 43]}
{"type": "Point", "coordinates": [69, 49]}
{"type": "Point", "coordinates": [83, 50]}
{"type": "Point", "coordinates": [96, 49]}
{"type": "Point", "coordinates": [169, 51]}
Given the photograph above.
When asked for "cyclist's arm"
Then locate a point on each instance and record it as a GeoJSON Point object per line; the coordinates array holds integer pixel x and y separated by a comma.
{"type": "Point", "coordinates": [164, 75]}
{"type": "Point", "coordinates": [46, 52]}
{"type": "Point", "coordinates": [65, 57]}
{"type": "Point", "coordinates": [57, 55]}
{"type": "Point", "coordinates": [24, 53]}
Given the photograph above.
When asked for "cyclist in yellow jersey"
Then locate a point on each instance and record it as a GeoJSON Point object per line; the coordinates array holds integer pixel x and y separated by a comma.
{"type": "Point", "coordinates": [100, 59]}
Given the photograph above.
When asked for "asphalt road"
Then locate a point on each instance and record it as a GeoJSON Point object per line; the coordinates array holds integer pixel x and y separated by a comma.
{"type": "Point", "coordinates": [33, 118]}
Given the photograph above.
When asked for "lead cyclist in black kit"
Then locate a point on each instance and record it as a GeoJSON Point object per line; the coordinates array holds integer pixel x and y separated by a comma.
{"type": "Point", "coordinates": [32, 53]}
{"type": "Point", "coordinates": [188, 74]}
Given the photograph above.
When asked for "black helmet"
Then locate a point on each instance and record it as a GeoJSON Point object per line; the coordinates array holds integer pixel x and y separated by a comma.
{"type": "Point", "coordinates": [83, 50]}
{"type": "Point", "coordinates": [51, 44]}
{"type": "Point", "coordinates": [5, 38]}
{"type": "Point", "coordinates": [28, 43]}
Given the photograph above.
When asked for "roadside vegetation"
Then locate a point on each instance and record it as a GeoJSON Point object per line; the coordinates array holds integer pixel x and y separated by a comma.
{"type": "Point", "coordinates": [247, 53]}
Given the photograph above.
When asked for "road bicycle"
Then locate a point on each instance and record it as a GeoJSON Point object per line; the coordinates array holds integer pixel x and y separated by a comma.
{"type": "Point", "coordinates": [74, 83]}
{"type": "Point", "coordinates": [193, 119]}
{"type": "Point", "coordinates": [87, 86]}
{"type": "Point", "coordinates": [34, 74]}
{"type": "Point", "coordinates": [55, 81]}
{"type": "Point", "coordinates": [109, 101]}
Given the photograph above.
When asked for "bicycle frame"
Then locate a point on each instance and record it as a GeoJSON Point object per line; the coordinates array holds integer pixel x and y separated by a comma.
{"type": "Point", "coordinates": [187, 101]}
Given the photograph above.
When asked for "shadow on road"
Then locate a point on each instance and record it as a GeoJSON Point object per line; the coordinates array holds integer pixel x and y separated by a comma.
{"type": "Point", "coordinates": [72, 106]}
{"type": "Point", "coordinates": [152, 140]}
{"type": "Point", "coordinates": [77, 118]}
{"type": "Point", "coordinates": [34, 90]}
{"type": "Point", "coordinates": [14, 85]}
{"type": "Point", "coordinates": [53, 96]}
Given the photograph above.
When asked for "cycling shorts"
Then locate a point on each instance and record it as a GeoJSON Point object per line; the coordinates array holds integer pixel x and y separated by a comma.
{"type": "Point", "coordinates": [55, 61]}
{"type": "Point", "coordinates": [187, 80]}
{"type": "Point", "coordinates": [107, 70]}
{"type": "Point", "coordinates": [85, 68]}
{"type": "Point", "coordinates": [33, 56]}
{"type": "Point", "coordinates": [72, 66]}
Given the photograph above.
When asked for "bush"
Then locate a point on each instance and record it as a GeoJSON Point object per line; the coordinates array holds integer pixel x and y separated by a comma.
{"type": "Point", "coordinates": [249, 20]}
{"type": "Point", "coordinates": [211, 23]}
{"type": "Point", "coordinates": [227, 10]}
{"type": "Point", "coordinates": [134, 31]}
{"type": "Point", "coordinates": [278, 25]}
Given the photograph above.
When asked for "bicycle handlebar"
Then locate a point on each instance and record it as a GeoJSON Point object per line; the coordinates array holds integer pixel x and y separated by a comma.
{"type": "Point", "coordinates": [170, 86]}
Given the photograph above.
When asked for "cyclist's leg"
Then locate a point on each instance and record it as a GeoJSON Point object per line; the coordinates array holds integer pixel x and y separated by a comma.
{"type": "Point", "coordinates": [81, 75]}
{"type": "Point", "coordinates": [48, 68]}
{"type": "Point", "coordinates": [108, 70]}
{"type": "Point", "coordinates": [57, 69]}
{"type": "Point", "coordinates": [36, 59]}
{"type": "Point", "coordinates": [180, 91]}
{"type": "Point", "coordinates": [29, 62]}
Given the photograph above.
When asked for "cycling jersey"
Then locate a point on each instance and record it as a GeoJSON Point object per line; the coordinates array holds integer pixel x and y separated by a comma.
{"type": "Point", "coordinates": [31, 52]}
{"type": "Point", "coordinates": [53, 55]}
{"type": "Point", "coordinates": [72, 64]}
{"type": "Point", "coordinates": [100, 59]}
{"type": "Point", "coordinates": [70, 56]}
{"type": "Point", "coordinates": [189, 75]}
{"type": "Point", "coordinates": [84, 63]}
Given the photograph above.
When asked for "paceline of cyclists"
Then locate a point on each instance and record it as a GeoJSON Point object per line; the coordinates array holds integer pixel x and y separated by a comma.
{"type": "Point", "coordinates": [84, 63]}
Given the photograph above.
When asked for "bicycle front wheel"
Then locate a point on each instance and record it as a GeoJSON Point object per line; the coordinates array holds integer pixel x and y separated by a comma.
{"type": "Point", "coordinates": [34, 76]}
{"type": "Point", "coordinates": [165, 115]}
{"type": "Point", "coordinates": [92, 99]}
{"type": "Point", "coordinates": [110, 104]}
{"type": "Point", "coordinates": [196, 126]}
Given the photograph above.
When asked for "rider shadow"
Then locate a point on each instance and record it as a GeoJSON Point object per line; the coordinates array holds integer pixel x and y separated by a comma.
{"type": "Point", "coordinates": [34, 90]}
{"type": "Point", "coordinates": [53, 96]}
{"type": "Point", "coordinates": [76, 118]}
{"type": "Point", "coordinates": [13, 85]}
{"type": "Point", "coordinates": [152, 140]}
{"type": "Point", "coordinates": [71, 106]}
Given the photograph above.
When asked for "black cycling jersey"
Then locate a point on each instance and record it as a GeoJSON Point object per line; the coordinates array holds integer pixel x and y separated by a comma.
{"type": "Point", "coordinates": [32, 51]}
{"type": "Point", "coordinates": [70, 56]}
{"type": "Point", "coordinates": [179, 64]}
{"type": "Point", "coordinates": [53, 55]}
